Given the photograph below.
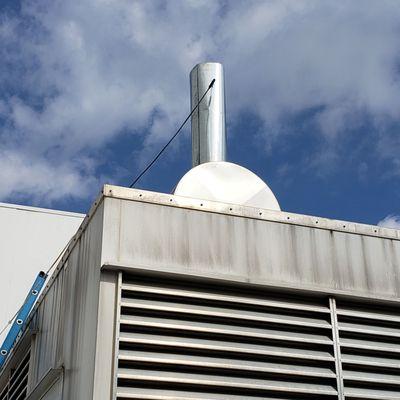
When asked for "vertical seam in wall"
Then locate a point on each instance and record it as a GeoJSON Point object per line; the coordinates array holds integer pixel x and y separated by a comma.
{"type": "Point", "coordinates": [119, 230]}
{"type": "Point", "coordinates": [59, 356]}
{"type": "Point", "coordinates": [116, 335]}
{"type": "Point", "coordinates": [31, 367]}
{"type": "Point", "coordinates": [84, 244]}
{"type": "Point", "coordinates": [336, 349]}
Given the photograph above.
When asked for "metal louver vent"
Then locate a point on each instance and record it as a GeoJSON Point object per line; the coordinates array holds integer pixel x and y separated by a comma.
{"type": "Point", "coordinates": [181, 341]}
{"type": "Point", "coordinates": [370, 346]}
{"type": "Point", "coordinates": [17, 385]}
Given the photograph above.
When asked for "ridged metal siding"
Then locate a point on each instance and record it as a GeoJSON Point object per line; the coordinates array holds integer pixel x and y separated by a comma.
{"type": "Point", "coordinates": [185, 341]}
{"type": "Point", "coordinates": [179, 342]}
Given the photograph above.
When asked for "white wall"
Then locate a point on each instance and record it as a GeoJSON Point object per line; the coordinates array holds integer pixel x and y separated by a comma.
{"type": "Point", "coordinates": [30, 239]}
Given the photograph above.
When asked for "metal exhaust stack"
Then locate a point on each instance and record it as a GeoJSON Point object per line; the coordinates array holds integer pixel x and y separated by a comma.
{"type": "Point", "coordinates": [212, 178]}
{"type": "Point", "coordinates": [208, 121]}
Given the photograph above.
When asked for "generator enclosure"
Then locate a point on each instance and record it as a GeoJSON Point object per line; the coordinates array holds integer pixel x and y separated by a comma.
{"type": "Point", "coordinates": [166, 297]}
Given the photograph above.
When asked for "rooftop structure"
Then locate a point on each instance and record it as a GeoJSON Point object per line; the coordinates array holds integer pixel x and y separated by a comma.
{"type": "Point", "coordinates": [213, 293]}
{"type": "Point", "coordinates": [160, 295]}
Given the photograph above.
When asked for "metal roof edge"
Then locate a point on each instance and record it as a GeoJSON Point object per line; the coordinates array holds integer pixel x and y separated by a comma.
{"type": "Point", "coordinates": [248, 212]}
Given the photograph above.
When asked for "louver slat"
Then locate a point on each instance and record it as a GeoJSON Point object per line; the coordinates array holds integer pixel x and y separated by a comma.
{"type": "Point", "coordinates": [19, 377]}
{"type": "Point", "coordinates": [4, 393]}
{"type": "Point", "coordinates": [159, 376]}
{"type": "Point", "coordinates": [180, 342]}
{"type": "Point", "coordinates": [252, 301]}
{"type": "Point", "coordinates": [188, 327]}
{"type": "Point", "coordinates": [221, 363]}
{"type": "Point", "coordinates": [370, 346]}
{"type": "Point", "coordinates": [165, 394]}
{"type": "Point", "coordinates": [17, 384]}
{"type": "Point", "coordinates": [238, 349]}
{"type": "Point", "coordinates": [223, 313]}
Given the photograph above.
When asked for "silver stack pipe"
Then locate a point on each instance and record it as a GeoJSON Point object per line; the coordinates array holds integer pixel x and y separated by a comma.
{"type": "Point", "coordinates": [208, 121]}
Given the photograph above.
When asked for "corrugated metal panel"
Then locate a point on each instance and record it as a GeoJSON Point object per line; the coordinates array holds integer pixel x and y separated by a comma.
{"type": "Point", "coordinates": [370, 345]}
{"type": "Point", "coordinates": [46, 345]}
{"type": "Point", "coordinates": [17, 385]}
{"type": "Point", "coordinates": [210, 342]}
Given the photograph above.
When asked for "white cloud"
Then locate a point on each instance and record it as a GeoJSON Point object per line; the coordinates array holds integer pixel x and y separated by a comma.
{"type": "Point", "coordinates": [76, 73]}
{"type": "Point", "coordinates": [391, 221]}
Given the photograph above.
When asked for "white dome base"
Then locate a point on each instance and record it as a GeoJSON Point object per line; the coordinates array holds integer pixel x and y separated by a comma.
{"type": "Point", "coordinates": [228, 183]}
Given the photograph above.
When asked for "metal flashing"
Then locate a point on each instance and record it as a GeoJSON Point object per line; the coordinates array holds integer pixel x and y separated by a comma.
{"type": "Point", "coordinates": [248, 212]}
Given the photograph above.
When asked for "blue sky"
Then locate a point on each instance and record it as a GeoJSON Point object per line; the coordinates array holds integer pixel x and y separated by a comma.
{"type": "Point", "coordinates": [90, 90]}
